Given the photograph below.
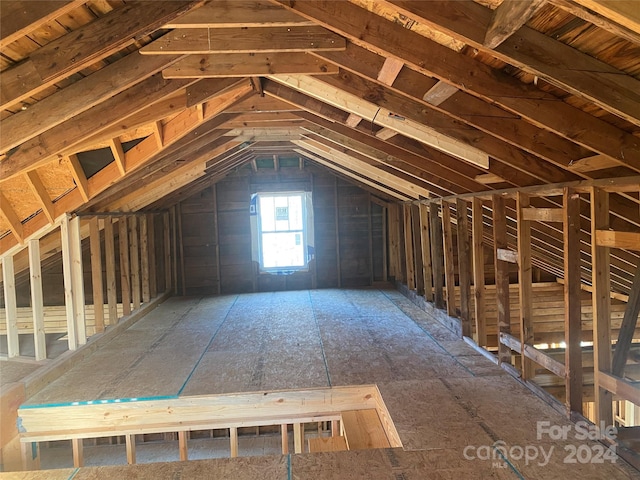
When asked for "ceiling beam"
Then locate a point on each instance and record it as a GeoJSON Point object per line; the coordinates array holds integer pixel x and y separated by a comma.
{"type": "Point", "coordinates": [40, 192]}
{"type": "Point", "coordinates": [247, 65]}
{"type": "Point", "coordinates": [9, 214]}
{"type": "Point", "coordinates": [556, 62]}
{"type": "Point", "coordinates": [542, 109]}
{"type": "Point", "coordinates": [86, 45]}
{"type": "Point", "coordinates": [507, 19]}
{"type": "Point", "coordinates": [244, 40]}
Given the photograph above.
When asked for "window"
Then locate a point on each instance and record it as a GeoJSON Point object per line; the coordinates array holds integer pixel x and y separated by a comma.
{"type": "Point", "coordinates": [282, 231]}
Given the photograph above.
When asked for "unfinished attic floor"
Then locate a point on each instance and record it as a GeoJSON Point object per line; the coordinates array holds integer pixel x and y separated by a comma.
{"type": "Point", "coordinates": [449, 404]}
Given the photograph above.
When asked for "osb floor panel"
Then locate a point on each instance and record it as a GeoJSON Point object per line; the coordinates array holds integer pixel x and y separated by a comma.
{"type": "Point", "coordinates": [442, 395]}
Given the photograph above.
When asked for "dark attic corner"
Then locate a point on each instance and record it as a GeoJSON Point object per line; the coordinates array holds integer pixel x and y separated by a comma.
{"type": "Point", "coordinates": [301, 240]}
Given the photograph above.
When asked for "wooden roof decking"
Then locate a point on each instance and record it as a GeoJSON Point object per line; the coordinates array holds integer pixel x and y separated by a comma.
{"type": "Point", "coordinates": [412, 99]}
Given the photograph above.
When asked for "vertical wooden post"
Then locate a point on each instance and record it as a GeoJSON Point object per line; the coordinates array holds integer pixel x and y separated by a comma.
{"type": "Point", "coordinates": [572, 304]}
{"type": "Point", "coordinates": [130, 441]}
{"type": "Point", "coordinates": [408, 247]}
{"type": "Point", "coordinates": [144, 259]}
{"type": "Point", "coordinates": [37, 304]}
{"type": "Point", "coordinates": [385, 256]}
{"type": "Point", "coordinates": [233, 439]}
{"type": "Point", "coordinates": [77, 278]}
{"type": "Point", "coordinates": [285, 438]}
{"type": "Point", "coordinates": [78, 449]}
{"type": "Point", "coordinates": [417, 250]}
{"type": "Point", "coordinates": [425, 244]}
{"type": "Point", "coordinates": [502, 275]}
{"type": "Point", "coordinates": [151, 248]}
{"type": "Point", "coordinates": [298, 438]}
{"type": "Point", "coordinates": [216, 239]}
{"type": "Point", "coordinates": [110, 259]}
{"type": "Point", "coordinates": [449, 269]}
{"type": "Point", "coordinates": [464, 266]}
{"type": "Point", "coordinates": [370, 238]}
{"type": "Point", "coordinates": [437, 254]}
{"type": "Point", "coordinates": [135, 261]}
{"type": "Point", "coordinates": [96, 273]}
{"type": "Point", "coordinates": [335, 429]}
{"type": "Point", "coordinates": [478, 271]}
{"type": "Point", "coordinates": [183, 279]}
{"type": "Point", "coordinates": [525, 284]}
{"type": "Point", "coordinates": [124, 265]}
{"type": "Point", "coordinates": [10, 306]}
{"type": "Point", "coordinates": [182, 446]}
{"type": "Point", "coordinates": [168, 268]}
{"type": "Point", "coordinates": [601, 305]}
{"type": "Point", "coordinates": [337, 220]}
{"type": "Point", "coordinates": [72, 333]}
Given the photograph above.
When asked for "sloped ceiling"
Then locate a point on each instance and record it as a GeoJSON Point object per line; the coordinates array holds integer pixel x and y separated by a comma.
{"type": "Point", "coordinates": [121, 106]}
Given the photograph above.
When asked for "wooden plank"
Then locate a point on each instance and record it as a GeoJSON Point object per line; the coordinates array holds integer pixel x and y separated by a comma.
{"type": "Point", "coordinates": [572, 301]}
{"type": "Point", "coordinates": [39, 190]}
{"type": "Point", "coordinates": [78, 452]}
{"type": "Point", "coordinates": [181, 248]}
{"type": "Point", "coordinates": [130, 441]}
{"type": "Point", "coordinates": [19, 18]}
{"type": "Point", "coordinates": [86, 45]}
{"type": "Point", "coordinates": [620, 387]}
{"type": "Point", "coordinates": [525, 282]}
{"type": "Point", "coordinates": [182, 446]}
{"type": "Point", "coordinates": [10, 306]}
{"type": "Point", "coordinates": [174, 244]}
{"type": "Point", "coordinates": [478, 271]}
{"type": "Point", "coordinates": [248, 64]}
{"type": "Point", "coordinates": [77, 279]}
{"type": "Point", "coordinates": [134, 258]}
{"type": "Point", "coordinates": [440, 92]}
{"type": "Point", "coordinates": [464, 266]}
{"type": "Point", "coordinates": [327, 444]}
{"type": "Point", "coordinates": [628, 327]}
{"type": "Point", "coordinates": [543, 214]}
{"type": "Point", "coordinates": [363, 430]}
{"type": "Point", "coordinates": [501, 274]}
{"type": "Point", "coordinates": [166, 234]}
{"type": "Point", "coordinates": [425, 244]}
{"type": "Point", "coordinates": [96, 273]}
{"type": "Point", "coordinates": [125, 274]}
{"type": "Point", "coordinates": [614, 239]}
{"type": "Point", "coordinates": [110, 259]}
{"type": "Point", "coordinates": [118, 155]}
{"type": "Point", "coordinates": [336, 216]}
{"type": "Point", "coordinates": [233, 440]}
{"type": "Point", "coordinates": [390, 70]}
{"type": "Point", "coordinates": [437, 254]}
{"type": "Point", "coordinates": [144, 259]}
{"type": "Point", "coordinates": [449, 265]}
{"type": "Point", "coordinates": [284, 438]}
{"type": "Point", "coordinates": [9, 214]}
{"type": "Point", "coordinates": [298, 438]}
{"type": "Point", "coordinates": [601, 282]}
{"type": "Point", "coordinates": [237, 13]}
{"type": "Point", "coordinates": [508, 18]}
{"type": "Point", "coordinates": [531, 353]}
{"type": "Point", "coordinates": [624, 12]}
{"type": "Point", "coordinates": [592, 164]}
{"type": "Point", "coordinates": [245, 40]}
{"type": "Point", "coordinates": [506, 255]}
{"type": "Point", "coordinates": [408, 247]}
{"type": "Point", "coordinates": [37, 301]}
{"type": "Point", "coordinates": [65, 240]}
{"type": "Point", "coordinates": [151, 256]}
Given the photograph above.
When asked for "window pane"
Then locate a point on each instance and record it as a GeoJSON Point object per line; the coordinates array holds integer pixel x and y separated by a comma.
{"type": "Point", "coordinates": [283, 249]}
{"type": "Point", "coordinates": [295, 212]}
{"type": "Point", "coordinates": [267, 214]}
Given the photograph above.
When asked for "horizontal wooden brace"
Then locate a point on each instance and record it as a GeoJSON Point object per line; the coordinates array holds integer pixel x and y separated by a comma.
{"type": "Point", "coordinates": [613, 239]}
{"type": "Point", "coordinates": [543, 214]}
{"type": "Point", "coordinates": [507, 255]}
{"type": "Point", "coordinates": [618, 386]}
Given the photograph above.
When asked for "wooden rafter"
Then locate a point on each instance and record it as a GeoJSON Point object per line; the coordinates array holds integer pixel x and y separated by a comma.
{"type": "Point", "coordinates": [39, 190]}
{"type": "Point", "coordinates": [9, 214]}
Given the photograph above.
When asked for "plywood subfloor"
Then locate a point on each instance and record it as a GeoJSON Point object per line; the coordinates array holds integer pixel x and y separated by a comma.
{"type": "Point", "coordinates": [442, 395]}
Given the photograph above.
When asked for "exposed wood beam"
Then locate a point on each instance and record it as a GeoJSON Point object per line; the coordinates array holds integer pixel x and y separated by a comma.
{"type": "Point", "coordinates": [118, 155]}
{"type": "Point", "coordinates": [245, 40]}
{"type": "Point", "coordinates": [390, 70]}
{"type": "Point", "coordinates": [353, 120]}
{"type": "Point", "coordinates": [78, 175]}
{"type": "Point", "coordinates": [79, 97]}
{"type": "Point", "coordinates": [384, 117]}
{"type": "Point", "coordinates": [623, 12]}
{"type": "Point", "coordinates": [440, 92]}
{"type": "Point", "coordinates": [507, 18]}
{"type": "Point", "coordinates": [535, 52]}
{"type": "Point", "coordinates": [371, 31]}
{"type": "Point", "coordinates": [593, 163]}
{"type": "Point", "coordinates": [247, 65]}
{"type": "Point", "coordinates": [237, 13]}
{"type": "Point", "coordinates": [45, 146]}
{"type": "Point", "coordinates": [88, 44]}
{"type": "Point", "coordinates": [9, 214]}
{"type": "Point", "coordinates": [39, 190]}
{"type": "Point", "coordinates": [627, 327]}
{"type": "Point", "coordinates": [18, 18]}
